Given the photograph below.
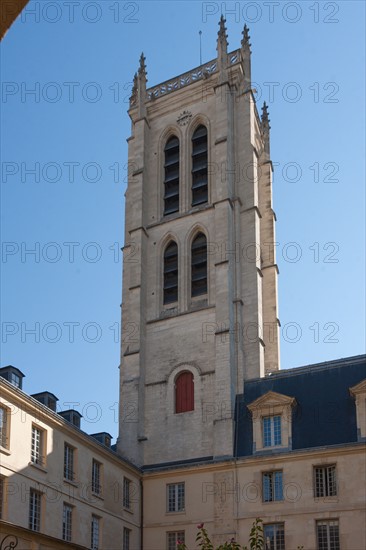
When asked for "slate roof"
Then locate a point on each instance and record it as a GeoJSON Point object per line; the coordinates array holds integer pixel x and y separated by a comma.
{"type": "Point", "coordinates": [325, 413]}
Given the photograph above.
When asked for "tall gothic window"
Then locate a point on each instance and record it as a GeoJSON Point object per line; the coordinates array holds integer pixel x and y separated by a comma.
{"type": "Point", "coordinates": [184, 392]}
{"type": "Point", "coordinates": [171, 176]}
{"type": "Point", "coordinates": [199, 266]}
{"type": "Point", "coordinates": [171, 273]}
{"type": "Point", "coordinates": [199, 166]}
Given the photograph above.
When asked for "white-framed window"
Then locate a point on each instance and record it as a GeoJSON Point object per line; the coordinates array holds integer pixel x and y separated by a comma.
{"type": "Point", "coordinates": [272, 486]}
{"type": "Point", "coordinates": [272, 435]}
{"type": "Point", "coordinates": [4, 427]}
{"type": "Point", "coordinates": [325, 481]}
{"type": "Point", "coordinates": [96, 477]}
{"type": "Point", "coordinates": [34, 510]}
{"type": "Point", "coordinates": [274, 536]}
{"type": "Point", "coordinates": [94, 533]}
{"type": "Point", "coordinates": [126, 496]}
{"type": "Point", "coordinates": [174, 538]}
{"type": "Point", "coordinates": [327, 534]}
{"type": "Point", "coordinates": [37, 446]}
{"type": "Point", "coordinates": [69, 462]}
{"type": "Point", "coordinates": [126, 538]}
{"type": "Point", "coordinates": [176, 497]}
{"type": "Point", "coordinates": [67, 522]}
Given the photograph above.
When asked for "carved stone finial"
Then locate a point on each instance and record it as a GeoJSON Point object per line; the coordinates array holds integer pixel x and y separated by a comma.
{"type": "Point", "coordinates": [246, 38]}
{"type": "Point", "coordinates": [142, 68]}
{"type": "Point", "coordinates": [133, 96]}
{"type": "Point", "coordinates": [222, 36]}
{"type": "Point", "coordinates": [265, 119]}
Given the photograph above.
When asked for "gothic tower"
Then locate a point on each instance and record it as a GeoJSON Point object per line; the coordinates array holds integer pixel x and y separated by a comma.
{"type": "Point", "coordinates": [199, 306]}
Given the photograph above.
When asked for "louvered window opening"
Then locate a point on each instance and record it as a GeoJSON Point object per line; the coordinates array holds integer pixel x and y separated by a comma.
{"type": "Point", "coordinates": [199, 266]}
{"type": "Point", "coordinates": [171, 274]}
{"type": "Point", "coordinates": [199, 166]}
{"type": "Point", "coordinates": [171, 176]}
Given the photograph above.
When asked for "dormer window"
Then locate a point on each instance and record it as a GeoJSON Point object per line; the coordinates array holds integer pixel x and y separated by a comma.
{"type": "Point", "coordinates": [13, 375]}
{"type": "Point", "coordinates": [358, 392]}
{"type": "Point", "coordinates": [272, 421]}
{"type": "Point", "coordinates": [14, 379]}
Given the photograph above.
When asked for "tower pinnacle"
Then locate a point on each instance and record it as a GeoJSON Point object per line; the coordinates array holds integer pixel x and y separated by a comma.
{"type": "Point", "coordinates": [222, 36]}
{"type": "Point", "coordinates": [245, 44]}
{"type": "Point", "coordinates": [141, 86]}
{"type": "Point", "coordinates": [265, 127]}
{"type": "Point", "coordinates": [142, 68]}
{"type": "Point", "coordinates": [222, 45]}
{"type": "Point", "coordinates": [265, 118]}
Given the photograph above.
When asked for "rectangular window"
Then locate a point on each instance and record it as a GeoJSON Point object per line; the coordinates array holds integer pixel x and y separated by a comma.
{"type": "Point", "coordinates": [94, 543]}
{"type": "Point", "coordinates": [4, 427]}
{"type": "Point", "coordinates": [126, 538]}
{"type": "Point", "coordinates": [67, 523]}
{"type": "Point", "coordinates": [274, 536]}
{"type": "Point", "coordinates": [176, 497]}
{"type": "Point", "coordinates": [14, 379]}
{"type": "Point", "coordinates": [325, 481]}
{"type": "Point", "coordinates": [34, 510]}
{"type": "Point", "coordinates": [37, 448]}
{"type": "Point", "coordinates": [96, 477]}
{"type": "Point", "coordinates": [327, 533]}
{"type": "Point", "coordinates": [271, 431]}
{"type": "Point", "coordinates": [272, 486]}
{"type": "Point", "coordinates": [69, 473]}
{"type": "Point", "coordinates": [175, 538]}
{"type": "Point", "coordinates": [126, 497]}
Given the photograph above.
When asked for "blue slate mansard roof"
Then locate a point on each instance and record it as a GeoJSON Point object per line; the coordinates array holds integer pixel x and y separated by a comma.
{"type": "Point", "coordinates": [325, 413]}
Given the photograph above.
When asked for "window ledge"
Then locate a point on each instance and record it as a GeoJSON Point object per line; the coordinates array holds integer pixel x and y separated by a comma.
{"type": "Point", "coordinates": [98, 495]}
{"type": "Point", "coordinates": [129, 510]}
{"type": "Point", "coordinates": [181, 513]}
{"type": "Point", "coordinates": [71, 482]}
{"type": "Point", "coordinates": [38, 466]}
{"type": "Point", "coordinates": [5, 451]}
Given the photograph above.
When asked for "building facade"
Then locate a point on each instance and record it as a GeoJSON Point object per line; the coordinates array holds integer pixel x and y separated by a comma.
{"type": "Point", "coordinates": [199, 307]}
{"type": "Point", "coordinates": [60, 487]}
{"type": "Point", "coordinates": [299, 464]}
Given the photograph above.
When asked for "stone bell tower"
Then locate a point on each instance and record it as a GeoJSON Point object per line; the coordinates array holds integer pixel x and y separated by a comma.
{"type": "Point", "coordinates": [199, 307]}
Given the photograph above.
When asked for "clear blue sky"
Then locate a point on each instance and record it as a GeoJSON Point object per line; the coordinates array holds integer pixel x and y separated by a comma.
{"type": "Point", "coordinates": [80, 59]}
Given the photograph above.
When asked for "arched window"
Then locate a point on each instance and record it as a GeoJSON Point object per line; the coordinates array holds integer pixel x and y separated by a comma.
{"type": "Point", "coordinates": [199, 166]}
{"type": "Point", "coordinates": [171, 273]}
{"type": "Point", "coordinates": [171, 176]}
{"type": "Point", "coordinates": [184, 392]}
{"type": "Point", "coordinates": [199, 266]}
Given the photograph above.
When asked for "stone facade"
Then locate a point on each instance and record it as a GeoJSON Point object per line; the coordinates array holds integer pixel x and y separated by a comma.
{"type": "Point", "coordinates": [231, 333]}
{"type": "Point", "coordinates": [21, 472]}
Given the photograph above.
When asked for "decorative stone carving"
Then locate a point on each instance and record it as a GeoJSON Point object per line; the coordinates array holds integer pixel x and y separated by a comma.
{"type": "Point", "coordinates": [184, 118]}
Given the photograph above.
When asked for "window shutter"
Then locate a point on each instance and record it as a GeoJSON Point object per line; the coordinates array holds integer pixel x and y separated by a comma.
{"type": "Point", "coordinates": [184, 393]}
